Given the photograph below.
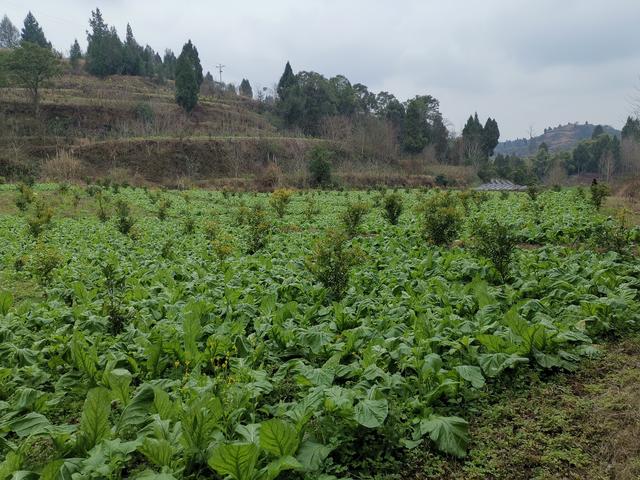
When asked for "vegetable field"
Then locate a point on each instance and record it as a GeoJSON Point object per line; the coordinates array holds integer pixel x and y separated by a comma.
{"type": "Point", "coordinates": [199, 334]}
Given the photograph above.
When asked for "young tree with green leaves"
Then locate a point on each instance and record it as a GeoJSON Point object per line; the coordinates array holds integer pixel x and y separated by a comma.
{"type": "Point", "coordinates": [32, 66]}
{"type": "Point", "coordinates": [9, 34]}
{"type": "Point", "coordinates": [32, 32]}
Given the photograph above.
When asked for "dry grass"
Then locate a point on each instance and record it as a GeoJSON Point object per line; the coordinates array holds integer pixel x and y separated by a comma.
{"type": "Point", "coordinates": [64, 167]}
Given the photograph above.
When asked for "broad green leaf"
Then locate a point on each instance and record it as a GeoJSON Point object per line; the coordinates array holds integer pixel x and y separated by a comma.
{"type": "Point", "coordinates": [235, 459]}
{"type": "Point", "coordinates": [275, 468]}
{"type": "Point", "coordinates": [31, 424]}
{"type": "Point", "coordinates": [192, 328]}
{"type": "Point", "coordinates": [371, 413]}
{"type": "Point", "coordinates": [278, 437]}
{"type": "Point", "coordinates": [139, 409]}
{"type": "Point", "coordinates": [119, 380]}
{"type": "Point", "coordinates": [450, 434]}
{"type": "Point", "coordinates": [94, 423]}
{"type": "Point", "coordinates": [471, 374]}
{"type": "Point", "coordinates": [84, 356]}
{"type": "Point", "coordinates": [6, 302]}
{"type": "Point", "coordinates": [158, 452]}
{"type": "Point", "coordinates": [493, 364]}
{"type": "Point", "coordinates": [312, 454]}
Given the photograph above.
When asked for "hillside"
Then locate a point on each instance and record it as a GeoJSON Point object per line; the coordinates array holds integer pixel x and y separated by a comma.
{"type": "Point", "coordinates": [562, 137]}
{"type": "Point", "coordinates": [130, 129]}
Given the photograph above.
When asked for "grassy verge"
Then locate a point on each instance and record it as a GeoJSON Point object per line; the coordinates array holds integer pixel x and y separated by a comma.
{"type": "Point", "coordinates": [567, 426]}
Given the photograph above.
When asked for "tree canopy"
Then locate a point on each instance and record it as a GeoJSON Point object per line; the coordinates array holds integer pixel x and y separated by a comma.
{"type": "Point", "coordinates": [31, 66]}
{"type": "Point", "coordinates": [9, 34]}
{"type": "Point", "coordinates": [33, 33]}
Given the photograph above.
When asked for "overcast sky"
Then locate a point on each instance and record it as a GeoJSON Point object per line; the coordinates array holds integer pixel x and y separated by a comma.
{"type": "Point", "coordinates": [529, 64]}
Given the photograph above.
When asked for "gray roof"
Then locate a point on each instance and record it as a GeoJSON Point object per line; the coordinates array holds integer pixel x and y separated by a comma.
{"type": "Point", "coordinates": [498, 184]}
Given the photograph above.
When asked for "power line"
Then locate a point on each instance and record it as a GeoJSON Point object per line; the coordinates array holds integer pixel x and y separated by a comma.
{"type": "Point", "coordinates": [220, 67]}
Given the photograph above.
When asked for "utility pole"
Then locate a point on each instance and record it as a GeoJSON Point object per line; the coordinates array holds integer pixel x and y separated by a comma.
{"type": "Point", "coordinates": [220, 67]}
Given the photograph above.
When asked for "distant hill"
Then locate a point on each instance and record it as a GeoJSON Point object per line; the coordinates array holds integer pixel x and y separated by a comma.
{"type": "Point", "coordinates": [563, 137]}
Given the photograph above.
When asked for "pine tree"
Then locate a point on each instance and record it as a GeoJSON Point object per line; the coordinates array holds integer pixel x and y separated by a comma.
{"type": "Point", "coordinates": [75, 54]}
{"type": "Point", "coordinates": [490, 136]}
{"type": "Point", "coordinates": [245, 88]}
{"type": "Point", "coordinates": [191, 51]}
{"type": "Point", "coordinates": [32, 32]}
{"type": "Point", "coordinates": [187, 85]}
{"type": "Point", "coordinates": [132, 55]}
{"type": "Point", "coordinates": [414, 139]}
{"type": "Point", "coordinates": [9, 34]}
{"type": "Point", "coordinates": [287, 82]}
{"type": "Point", "coordinates": [104, 49]}
{"type": "Point", "coordinates": [169, 64]}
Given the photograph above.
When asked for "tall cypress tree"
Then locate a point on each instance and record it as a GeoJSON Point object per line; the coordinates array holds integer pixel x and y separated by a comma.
{"type": "Point", "coordinates": [75, 54]}
{"type": "Point", "coordinates": [414, 139]}
{"type": "Point", "coordinates": [187, 84]}
{"type": "Point", "coordinates": [132, 55]}
{"type": "Point", "coordinates": [32, 32]}
{"type": "Point", "coordinates": [169, 64]}
{"type": "Point", "coordinates": [104, 48]}
{"type": "Point", "coordinates": [245, 88]}
{"type": "Point", "coordinates": [287, 82]}
{"type": "Point", "coordinates": [490, 136]}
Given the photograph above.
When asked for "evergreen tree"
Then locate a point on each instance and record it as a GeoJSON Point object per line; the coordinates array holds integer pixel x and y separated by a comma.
{"type": "Point", "coordinates": [131, 55]}
{"type": "Point", "coordinates": [75, 54]}
{"type": "Point", "coordinates": [490, 136]}
{"type": "Point", "coordinates": [32, 32]}
{"type": "Point", "coordinates": [287, 82]}
{"type": "Point", "coordinates": [414, 139]}
{"type": "Point", "coordinates": [597, 132]}
{"type": "Point", "coordinates": [104, 49]}
{"type": "Point", "coordinates": [169, 64]}
{"type": "Point", "coordinates": [9, 35]}
{"type": "Point", "coordinates": [631, 129]}
{"type": "Point", "coordinates": [187, 85]}
{"type": "Point", "coordinates": [192, 52]}
{"type": "Point", "coordinates": [245, 88]}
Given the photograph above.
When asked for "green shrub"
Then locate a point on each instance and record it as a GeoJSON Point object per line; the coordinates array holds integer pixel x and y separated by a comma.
{"type": "Point", "coordinates": [103, 210]}
{"type": "Point", "coordinates": [320, 167]}
{"type": "Point", "coordinates": [496, 242]}
{"type": "Point", "coordinates": [612, 234]}
{"type": "Point", "coordinates": [441, 218]}
{"type": "Point", "coordinates": [44, 261]}
{"type": "Point", "coordinates": [331, 261]}
{"type": "Point", "coordinates": [259, 228]}
{"type": "Point", "coordinates": [163, 209]}
{"type": "Point", "coordinates": [189, 224]}
{"type": "Point", "coordinates": [353, 215]}
{"type": "Point", "coordinates": [25, 197]}
{"type": "Point", "coordinates": [311, 208]}
{"type": "Point", "coordinates": [279, 200]}
{"type": "Point", "coordinates": [40, 219]}
{"type": "Point", "coordinates": [598, 193]}
{"type": "Point", "coordinates": [125, 221]}
{"type": "Point", "coordinates": [392, 204]}
{"type": "Point", "coordinates": [532, 191]}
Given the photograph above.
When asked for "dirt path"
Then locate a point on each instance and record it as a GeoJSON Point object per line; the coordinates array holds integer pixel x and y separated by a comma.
{"type": "Point", "coordinates": [584, 425]}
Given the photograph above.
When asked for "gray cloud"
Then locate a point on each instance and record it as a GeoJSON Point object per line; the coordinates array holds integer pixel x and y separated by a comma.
{"type": "Point", "coordinates": [525, 63]}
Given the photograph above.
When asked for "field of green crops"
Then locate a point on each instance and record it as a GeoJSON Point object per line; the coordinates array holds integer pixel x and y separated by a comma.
{"type": "Point", "coordinates": [170, 351]}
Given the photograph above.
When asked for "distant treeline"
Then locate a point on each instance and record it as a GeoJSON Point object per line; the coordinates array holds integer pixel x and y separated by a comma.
{"type": "Point", "coordinates": [602, 155]}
